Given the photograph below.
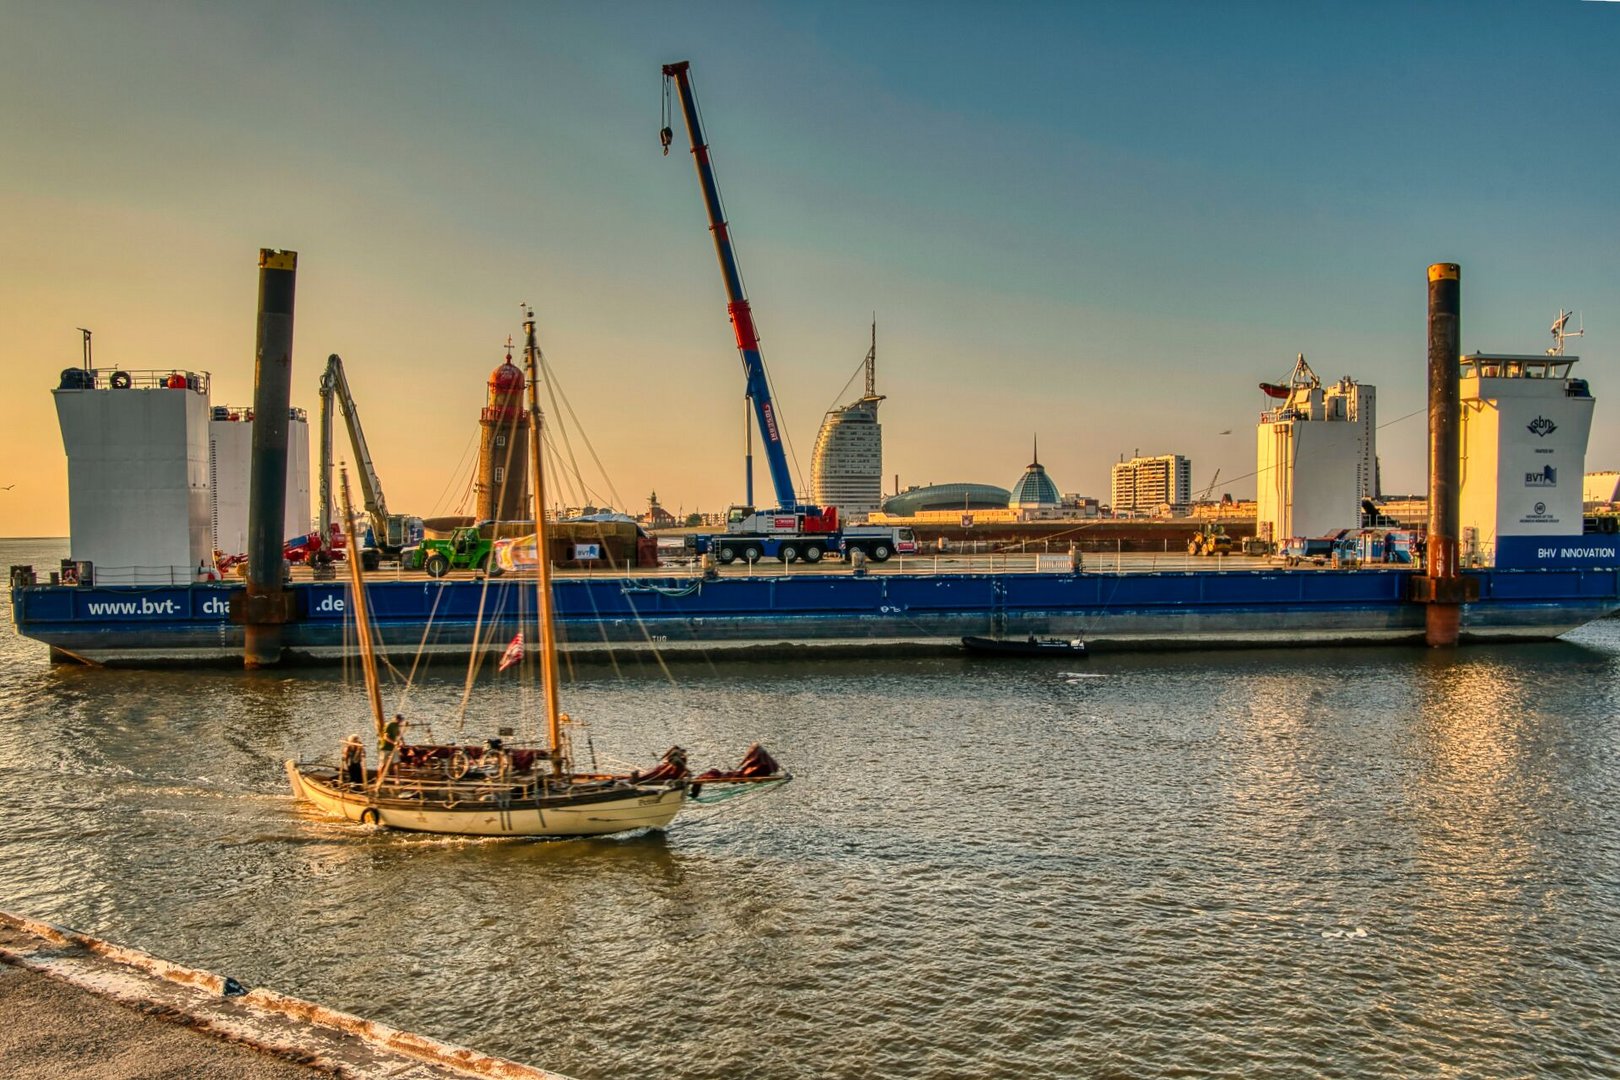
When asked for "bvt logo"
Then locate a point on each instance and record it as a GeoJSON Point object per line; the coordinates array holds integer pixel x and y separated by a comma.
{"type": "Point", "coordinates": [1547, 477]}
{"type": "Point", "coordinates": [1541, 427]}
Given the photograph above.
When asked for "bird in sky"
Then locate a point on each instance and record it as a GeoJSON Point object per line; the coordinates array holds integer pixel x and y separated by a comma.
{"type": "Point", "coordinates": [1228, 431]}
{"type": "Point", "coordinates": [8, 487]}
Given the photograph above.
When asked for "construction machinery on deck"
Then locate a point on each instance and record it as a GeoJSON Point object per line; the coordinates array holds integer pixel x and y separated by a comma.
{"type": "Point", "coordinates": [391, 535]}
{"type": "Point", "coordinates": [791, 532]}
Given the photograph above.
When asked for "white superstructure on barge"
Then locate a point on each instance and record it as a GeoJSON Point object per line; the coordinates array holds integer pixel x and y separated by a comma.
{"type": "Point", "coordinates": [158, 478]}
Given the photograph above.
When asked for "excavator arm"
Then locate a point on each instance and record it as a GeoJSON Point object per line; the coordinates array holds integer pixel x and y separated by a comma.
{"type": "Point", "coordinates": [335, 384]}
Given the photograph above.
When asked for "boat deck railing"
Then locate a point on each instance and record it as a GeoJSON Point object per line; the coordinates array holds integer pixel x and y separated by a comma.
{"type": "Point", "coordinates": [438, 787]}
{"type": "Point", "coordinates": [1000, 562]}
{"type": "Point", "coordinates": [1007, 562]}
{"type": "Point", "coordinates": [134, 379]}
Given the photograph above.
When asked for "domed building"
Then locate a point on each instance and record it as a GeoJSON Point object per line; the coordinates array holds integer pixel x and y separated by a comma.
{"type": "Point", "coordinates": [942, 497]}
{"type": "Point", "coordinates": [1035, 490]}
{"type": "Point", "coordinates": [502, 489]}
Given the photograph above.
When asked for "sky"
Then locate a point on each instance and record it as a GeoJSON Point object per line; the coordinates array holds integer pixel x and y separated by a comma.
{"type": "Point", "coordinates": [1096, 224]}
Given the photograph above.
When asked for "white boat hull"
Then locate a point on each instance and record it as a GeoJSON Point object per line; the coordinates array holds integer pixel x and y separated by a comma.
{"type": "Point", "coordinates": [621, 809]}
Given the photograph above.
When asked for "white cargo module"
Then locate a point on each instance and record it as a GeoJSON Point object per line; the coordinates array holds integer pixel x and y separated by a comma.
{"type": "Point", "coordinates": [138, 490]}
{"type": "Point", "coordinates": [1525, 422]}
{"type": "Point", "coordinates": [1317, 456]}
{"type": "Point", "coordinates": [158, 480]}
{"type": "Point", "coordinates": [230, 445]}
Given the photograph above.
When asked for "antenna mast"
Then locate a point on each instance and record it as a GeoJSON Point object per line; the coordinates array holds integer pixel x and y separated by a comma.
{"type": "Point", "coordinates": [1559, 333]}
{"type": "Point", "coordinates": [871, 363]}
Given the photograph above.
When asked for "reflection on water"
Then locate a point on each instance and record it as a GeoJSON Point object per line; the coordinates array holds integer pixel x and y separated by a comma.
{"type": "Point", "coordinates": [1357, 862]}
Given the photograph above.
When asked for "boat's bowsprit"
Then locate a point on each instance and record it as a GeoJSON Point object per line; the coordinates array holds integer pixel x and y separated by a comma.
{"type": "Point", "coordinates": [756, 772]}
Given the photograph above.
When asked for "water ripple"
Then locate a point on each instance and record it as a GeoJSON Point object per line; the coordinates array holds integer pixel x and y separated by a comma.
{"type": "Point", "coordinates": [1359, 863]}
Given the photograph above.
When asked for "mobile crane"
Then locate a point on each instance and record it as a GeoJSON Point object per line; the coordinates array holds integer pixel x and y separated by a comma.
{"type": "Point", "coordinates": [391, 534]}
{"type": "Point", "coordinates": [792, 531]}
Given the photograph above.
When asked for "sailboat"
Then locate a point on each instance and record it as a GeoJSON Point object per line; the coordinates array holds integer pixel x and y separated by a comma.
{"type": "Point", "coordinates": [494, 789]}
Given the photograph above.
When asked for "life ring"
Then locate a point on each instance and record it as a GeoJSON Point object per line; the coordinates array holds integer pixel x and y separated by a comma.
{"type": "Point", "coordinates": [120, 380]}
{"type": "Point", "coordinates": [369, 816]}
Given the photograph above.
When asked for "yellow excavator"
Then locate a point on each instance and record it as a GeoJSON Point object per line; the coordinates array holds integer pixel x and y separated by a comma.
{"type": "Point", "coordinates": [1210, 539]}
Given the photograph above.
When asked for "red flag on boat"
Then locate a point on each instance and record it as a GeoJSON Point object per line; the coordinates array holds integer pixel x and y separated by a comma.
{"type": "Point", "coordinates": [513, 653]}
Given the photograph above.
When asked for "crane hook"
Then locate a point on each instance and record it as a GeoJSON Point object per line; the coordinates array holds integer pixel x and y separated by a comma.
{"type": "Point", "coordinates": [666, 135]}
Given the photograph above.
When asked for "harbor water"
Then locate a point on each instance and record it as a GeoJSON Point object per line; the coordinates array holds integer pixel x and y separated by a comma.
{"type": "Point", "coordinates": [1350, 863]}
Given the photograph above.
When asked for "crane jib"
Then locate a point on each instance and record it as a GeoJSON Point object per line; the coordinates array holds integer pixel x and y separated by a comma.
{"type": "Point", "coordinates": [742, 319]}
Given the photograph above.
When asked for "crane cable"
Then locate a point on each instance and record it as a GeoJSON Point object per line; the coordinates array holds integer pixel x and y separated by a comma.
{"type": "Point", "coordinates": [666, 133]}
{"type": "Point", "coordinates": [555, 391]}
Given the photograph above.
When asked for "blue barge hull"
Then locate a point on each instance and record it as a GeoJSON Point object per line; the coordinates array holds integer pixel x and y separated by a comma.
{"type": "Point", "coordinates": [150, 626]}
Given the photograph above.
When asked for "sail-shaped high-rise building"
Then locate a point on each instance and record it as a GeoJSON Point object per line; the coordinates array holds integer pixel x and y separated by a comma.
{"type": "Point", "coordinates": [846, 469]}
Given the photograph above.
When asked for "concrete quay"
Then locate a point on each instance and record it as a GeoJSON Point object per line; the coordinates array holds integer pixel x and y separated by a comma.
{"type": "Point", "coordinates": [76, 1006]}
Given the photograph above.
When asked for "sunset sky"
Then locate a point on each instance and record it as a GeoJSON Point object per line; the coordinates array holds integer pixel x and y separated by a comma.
{"type": "Point", "coordinates": [1098, 224]}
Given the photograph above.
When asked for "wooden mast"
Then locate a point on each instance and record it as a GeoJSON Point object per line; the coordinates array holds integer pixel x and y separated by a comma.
{"type": "Point", "coordinates": [542, 551]}
{"type": "Point", "coordinates": [362, 620]}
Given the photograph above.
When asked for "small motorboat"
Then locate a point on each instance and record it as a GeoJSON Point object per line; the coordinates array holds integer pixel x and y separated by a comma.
{"type": "Point", "coordinates": [1031, 646]}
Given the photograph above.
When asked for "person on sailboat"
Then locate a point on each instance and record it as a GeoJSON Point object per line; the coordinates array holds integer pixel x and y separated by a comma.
{"type": "Point", "coordinates": [388, 745]}
{"type": "Point", "coordinates": [354, 760]}
{"type": "Point", "coordinates": [495, 759]}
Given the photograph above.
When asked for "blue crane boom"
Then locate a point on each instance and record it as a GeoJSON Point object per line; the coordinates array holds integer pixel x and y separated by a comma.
{"type": "Point", "coordinates": [742, 319]}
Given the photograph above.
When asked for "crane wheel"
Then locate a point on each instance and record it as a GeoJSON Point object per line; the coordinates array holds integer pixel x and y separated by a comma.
{"type": "Point", "coordinates": [751, 553]}
{"type": "Point", "coordinates": [728, 555]}
{"type": "Point", "coordinates": [881, 552]}
{"type": "Point", "coordinates": [789, 553]}
{"type": "Point", "coordinates": [813, 553]}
